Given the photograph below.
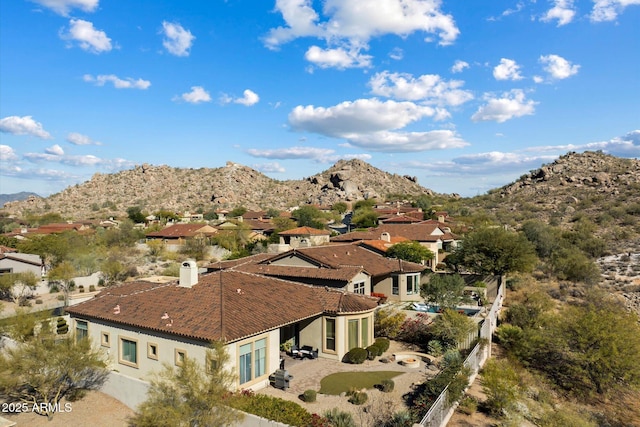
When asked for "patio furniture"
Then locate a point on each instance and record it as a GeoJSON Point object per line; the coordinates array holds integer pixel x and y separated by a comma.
{"type": "Point", "coordinates": [307, 351]}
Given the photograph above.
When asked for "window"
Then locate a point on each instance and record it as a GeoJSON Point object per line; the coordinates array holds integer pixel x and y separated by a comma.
{"type": "Point", "coordinates": [330, 334]}
{"type": "Point", "coordinates": [245, 363]}
{"type": "Point", "coordinates": [359, 288]}
{"type": "Point", "coordinates": [82, 329]}
{"type": "Point", "coordinates": [129, 352]}
{"type": "Point", "coordinates": [180, 356]}
{"type": "Point", "coordinates": [395, 285]}
{"type": "Point", "coordinates": [212, 365]}
{"type": "Point", "coordinates": [354, 339]}
{"type": "Point", "coordinates": [364, 331]}
{"type": "Point", "coordinates": [260, 353]}
{"type": "Point", "coordinates": [152, 351]}
{"type": "Point", "coordinates": [105, 341]}
{"type": "Point", "coordinates": [413, 284]}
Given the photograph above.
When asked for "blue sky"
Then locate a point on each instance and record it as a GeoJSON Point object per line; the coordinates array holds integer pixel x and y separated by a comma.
{"type": "Point", "coordinates": [465, 98]}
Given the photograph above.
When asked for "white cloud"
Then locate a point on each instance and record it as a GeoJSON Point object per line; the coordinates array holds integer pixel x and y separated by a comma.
{"type": "Point", "coordinates": [23, 126]}
{"type": "Point", "coordinates": [176, 40]}
{"type": "Point", "coordinates": [248, 99]}
{"type": "Point", "coordinates": [459, 66]}
{"type": "Point", "coordinates": [429, 88]}
{"type": "Point", "coordinates": [558, 67]}
{"type": "Point", "coordinates": [88, 38]}
{"type": "Point", "coordinates": [196, 96]}
{"type": "Point", "coordinates": [627, 145]}
{"type": "Point", "coordinates": [397, 142]}
{"type": "Point", "coordinates": [508, 69]}
{"type": "Point", "coordinates": [273, 167]}
{"type": "Point", "coordinates": [350, 24]}
{"type": "Point", "coordinates": [7, 154]}
{"type": "Point", "coordinates": [118, 83]}
{"type": "Point", "coordinates": [511, 104]}
{"type": "Point", "coordinates": [80, 139]}
{"type": "Point", "coordinates": [63, 7]}
{"type": "Point", "coordinates": [337, 58]}
{"type": "Point", "coordinates": [608, 10]}
{"type": "Point", "coordinates": [56, 150]}
{"type": "Point", "coordinates": [396, 54]}
{"type": "Point", "coordinates": [360, 116]}
{"type": "Point", "coordinates": [563, 11]}
{"type": "Point", "coordinates": [291, 153]}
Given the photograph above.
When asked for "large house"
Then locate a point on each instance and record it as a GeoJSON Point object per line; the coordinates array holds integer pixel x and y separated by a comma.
{"type": "Point", "coordinates": [345, 266]}
{"type": "Point", "coordinates": [177, 234]}
{"type": "Point", "coordinates": [15, 262]}
{"type": "Point", "coordinates": [143, 324]}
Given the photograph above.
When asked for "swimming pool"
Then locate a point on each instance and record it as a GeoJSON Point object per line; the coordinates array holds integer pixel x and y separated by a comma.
{"type": "Point", "coordinates": [425, 308]}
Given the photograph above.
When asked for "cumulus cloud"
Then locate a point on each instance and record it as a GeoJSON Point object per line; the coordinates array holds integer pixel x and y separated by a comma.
{"type": "Point", "coordinates": [176, 40]}
{"type": "Point", "coordinates": [87, 37]}
{"type": "Point", "coordinates": [272, 167]}
{"type": "Point", "coordinates": [508, 69]}
{"type": "Point", "coordinates": [396, 54]}
{"type": "Point", "coordinates": [339, 58]}
{"type": "Point", "coordinates": [36, 173]}
{"type": "Point", "coordinates": [118, 83]}
{"type": "Point", "coordinates": [196, 96]}
{"type": "Point", "coordinates": [56, 150]}
{"type": "Point", "coordinates": [319, 155]}
{"type": "Point", "coordinates": [428, 88]}
{"type": "Point", "coordinates": [563, 11]}
{"type": "Point", "coordinates": [63, 7]}
{"type": "Point", "coordinates": [558, 67]}
{"type": "Point", "coordinates": [7, 154]}
{"type": "Point", "coordinates": [627, 145]}
{"type": "Point", "coordinates": [80, 139]}
{"type": "Point", "coordinates": [397, 142]}
{"type": "Point", "coordinates": [23, 126]}
{"type": "Point", "coordinates": [459, 66]}
{"type": "Point", "coordinates": [354, 22]}
{"type": "Point", "coordinates": [608, 10]}
{"type": "Point", "coordinates": [56, 154]}
{"type": "Point", "coordinates": [512, 104]}
{"type": "Point", "coordinates": [248, 99]}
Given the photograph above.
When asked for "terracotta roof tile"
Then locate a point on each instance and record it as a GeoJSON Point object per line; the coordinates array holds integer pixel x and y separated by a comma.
{"type": "Point", "coordinates": [182, 230]}
{"type": "Point", "coordinates": [304, 231]}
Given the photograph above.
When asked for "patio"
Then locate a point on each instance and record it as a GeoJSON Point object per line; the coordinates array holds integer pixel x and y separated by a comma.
{"type": "Point", "coordinates": [307, 374]}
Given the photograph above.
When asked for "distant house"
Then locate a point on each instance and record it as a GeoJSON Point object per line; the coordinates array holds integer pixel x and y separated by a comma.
{"type": "Point", "coordinates": [302, 237]}
{"type": "Point", "coordinates": [141, 325]}
{"type": "Point", "coordinates": [177, 234]}
{"type": "Point", "coordinates": [15, 262]}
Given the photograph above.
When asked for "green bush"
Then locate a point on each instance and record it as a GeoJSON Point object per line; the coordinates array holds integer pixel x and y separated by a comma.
{"type": "Point", "coordinates": [38, 301]}
{"type": "Point", "coordinates": [435, 348]}
{"type": "Point", "coordinates": [356, 356]}
{"type": "Point", "coordinates": [383, 344]}
{"type": "Point", "coordinates": [272, 408]}
{"type": "Point", "coordinates": [309, 396]}
{"type": "Point", "coordinates": [373, 351]}
{"type": "Point", "coordinates": [60, 297]}
{"type": "Point", "coordinates": [387, 386]}
{"type": "Point", "coordinates": [468, 405]}
{"type": "Point", "coordinates": [338, 418]}
{"type": "Point", "coordinates": [61, 326]}
{"type": "Point", "coordinates": [358, 397]}
{"type": "Point", "coordinates": [92, 288]}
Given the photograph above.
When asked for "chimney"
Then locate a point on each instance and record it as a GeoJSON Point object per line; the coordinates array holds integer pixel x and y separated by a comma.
{"type": "Point", "coordinates": [386, 237]}
{"type": "Point", "coordinates": [188, 274]}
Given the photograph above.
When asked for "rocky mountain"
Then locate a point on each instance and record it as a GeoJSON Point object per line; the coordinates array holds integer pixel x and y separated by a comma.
{"type": "Point", "coordinates": [179, 189]}
{"type": "Point", "coordinates": [23, 195]}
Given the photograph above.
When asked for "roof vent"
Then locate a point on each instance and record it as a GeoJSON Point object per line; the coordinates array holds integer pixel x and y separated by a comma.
{"type": "Point", "coordinates": [188, 274]}
{"type": "Point", "coordinates": [385, 237]}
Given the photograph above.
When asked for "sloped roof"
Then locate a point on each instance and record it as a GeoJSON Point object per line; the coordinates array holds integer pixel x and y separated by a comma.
{"type": "Point", "coordinates": [305, 231]}
{"type": "Point", "coordinates": [183, 230]}
{"type": "Point", "coordinates": [251, 304]}
{"type": "Point", "coordinates": [382, 245]}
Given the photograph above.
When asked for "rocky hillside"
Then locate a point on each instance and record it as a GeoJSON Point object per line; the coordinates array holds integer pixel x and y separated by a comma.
{"type": "Point", "coordinates": [177, 189]}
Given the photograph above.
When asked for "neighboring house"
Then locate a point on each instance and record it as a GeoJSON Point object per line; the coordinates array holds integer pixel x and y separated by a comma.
{"type": "Point", "coordinates": [142, 325]}
{"type": "Point", "coordinates": [346, 266]}
{"type": "Point", "coordinates": [14, 262]}
{"type": "Point", "coordinates": [177, 234]}
{"type": "Point", "coordinates": [400, 219]}
{"type": "Point", "coordinates": [302, 237]}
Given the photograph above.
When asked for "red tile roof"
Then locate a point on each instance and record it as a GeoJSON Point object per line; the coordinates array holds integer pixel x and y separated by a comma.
{"type": "Point", "coordinates": [182, 230]}
{"type": "Point", "coordinates": [305, 231]}
{"type": "Point", "coordinates": [251, 304]}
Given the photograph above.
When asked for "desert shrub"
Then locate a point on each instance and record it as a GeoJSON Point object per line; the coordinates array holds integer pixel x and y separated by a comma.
{"type": "Point", "coordinates": [309, 396]}
{"type": "Point", "coordinates": [60, 298]}
{"type": "Point", "coordinates": [417, 330]}
{"type": "Point", "coordinates": [53, 287]}
{"type": "Point", "coordinates": [356, 356]}
{"type": "Point", "coordinates": [468, 405]}
{"type": "Point", "coordinates": [61, 326]}
{"type": "Point", "coordinates": [92, 288]}
{"type": "Point", "coordinates": [339, 418]}
{"type": "Point", "coordinates": [373, 351]}
{"type": "Point", "coordinates": [435, 348]}
{"type": "Point", "coordinates": [271, 408]}
{"type": "Point", "coordinates": [38, 301]}
{"type": "Point", "coordinates": [81, 288]}
{"type": "Point", "coordinates": [388, 322]}
{"type": "Point", "coordinates": [387, 386]}
{"type": "Point", "coordinates": [383, 344]}
{"type": "Point", "coordinates": [358, 397]}
{"type": "Point", "coordinates": [501, 384]}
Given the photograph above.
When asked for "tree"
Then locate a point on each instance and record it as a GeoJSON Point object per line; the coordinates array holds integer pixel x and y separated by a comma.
{"type": "Point", "coordinates": [410, 251]}
{"type": "Point", "coordinates": [196, 248]}
{"type": "Point", "coordinates": [113, 271]}
{"type": "Point", "coordinates": [387, 322]}
{"type": "Point", "coordinates": [444, 290]}
{"type": "Point", "coordinates": [237, 211]}
{"type": "Point", "coordinates": [309, 216]}
{"type": "Point", "coordinates": [501, 384]}
{"type": "Point", "coordinates": [46, 368]}
{"type": "Point", "coordinates": [64, 273]}
{"type": "Point", "coordinates": [364, 218]}
{"type": "Point", "coordinates": [136, 215]}
{"type": "Point", "coordinates": [571, 264]}
{"type": "Point", "coordinates": [497, 251]}
{"type": "Point", "coordinates": [452, 327]}
{"type": "Point", "coordinates": [190, 395]}
{"type": "Point", "coordinates": [340, 207]}
{"type": "Point", "coordinates": [18, 286]}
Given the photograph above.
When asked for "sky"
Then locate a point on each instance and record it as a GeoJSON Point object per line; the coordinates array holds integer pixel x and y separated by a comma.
{"type": "Point", "coordinates": [465, 96]}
